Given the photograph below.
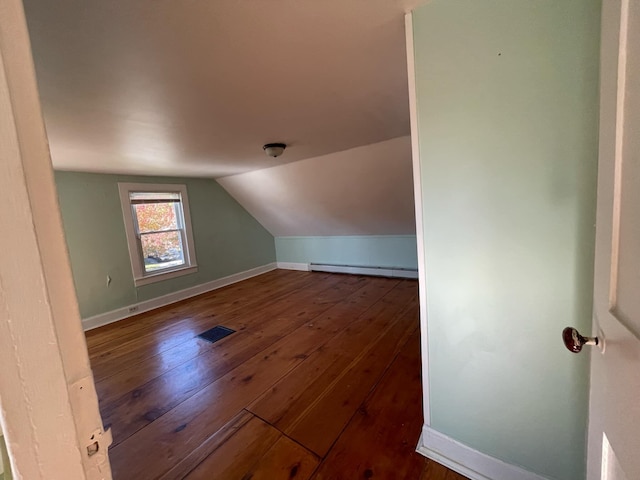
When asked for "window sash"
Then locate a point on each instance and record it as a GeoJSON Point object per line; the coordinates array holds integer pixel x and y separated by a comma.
{"type": "Point", "coordinates": [160, 271]}
{"type": "Point", "coordinates": [180, 229]}
{"type": "Point", "coordinates": [179, 216]}
{"type": "Point", "coordinates": [151, 232]}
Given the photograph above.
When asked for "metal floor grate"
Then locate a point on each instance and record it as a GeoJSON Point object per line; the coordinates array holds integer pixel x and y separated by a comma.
{"type": "Point", "coordinates": [216, 333]}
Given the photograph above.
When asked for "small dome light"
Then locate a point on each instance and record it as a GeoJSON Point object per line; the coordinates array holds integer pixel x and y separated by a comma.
{"type": "Point", "coordinates": [274, 149]}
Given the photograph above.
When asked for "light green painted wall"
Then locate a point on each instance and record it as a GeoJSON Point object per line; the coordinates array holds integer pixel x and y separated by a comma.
{"type": "Point", "coordinates": [5, 464]}
{"type": "Point", "coordinates": [359, 250]}
{"type": "Point", "coordinates": [227, 239]}
{"type": "Point", "coordinates": [507, 94]}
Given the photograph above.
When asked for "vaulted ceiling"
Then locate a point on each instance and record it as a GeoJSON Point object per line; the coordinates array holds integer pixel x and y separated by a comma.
{"type": "Point", "coordinates": [196, 87]}
{"type": "Point", "coordinates": [366, 190]}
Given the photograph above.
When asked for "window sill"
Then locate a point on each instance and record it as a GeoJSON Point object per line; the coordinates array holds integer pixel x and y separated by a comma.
{"type": "Point", "coordinates": [161, 276]}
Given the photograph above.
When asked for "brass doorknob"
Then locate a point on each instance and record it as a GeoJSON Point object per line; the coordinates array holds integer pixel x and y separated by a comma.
{"type": "Point", "coordinates": [574, 341]}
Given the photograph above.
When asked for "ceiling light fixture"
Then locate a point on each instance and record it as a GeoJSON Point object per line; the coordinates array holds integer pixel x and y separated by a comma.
{"type": "Point", "coordinates": [274, 149]}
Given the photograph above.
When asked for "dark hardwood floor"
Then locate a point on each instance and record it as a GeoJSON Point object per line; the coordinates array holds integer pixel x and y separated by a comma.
{"type": "Point", "coordinates": [320, 381]}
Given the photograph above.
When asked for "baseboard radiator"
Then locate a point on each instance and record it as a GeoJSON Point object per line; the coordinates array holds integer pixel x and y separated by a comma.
{"type": "Point", "coordinates": [360, 270]}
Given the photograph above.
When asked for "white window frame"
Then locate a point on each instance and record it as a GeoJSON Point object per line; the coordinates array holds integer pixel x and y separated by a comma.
{"type": "Point", "coordinates": [140, 277]}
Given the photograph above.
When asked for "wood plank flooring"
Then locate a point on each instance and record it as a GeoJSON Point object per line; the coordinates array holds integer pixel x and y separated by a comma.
{"type": "Point", "coordinates": [320, 381]}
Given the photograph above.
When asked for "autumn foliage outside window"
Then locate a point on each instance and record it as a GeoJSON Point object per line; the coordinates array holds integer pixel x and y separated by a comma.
{"type": "Point", "coordinates": [159, 226]}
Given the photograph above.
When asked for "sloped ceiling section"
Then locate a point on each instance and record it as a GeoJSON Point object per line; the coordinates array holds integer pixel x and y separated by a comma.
{"type": "Point", "coordinates": [362, 191]}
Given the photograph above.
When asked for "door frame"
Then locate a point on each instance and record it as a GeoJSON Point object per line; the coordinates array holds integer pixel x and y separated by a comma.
{"type": "Point", "coordinates": [48, 404]}
{"type": "Point", "coordinates": [417, 194]}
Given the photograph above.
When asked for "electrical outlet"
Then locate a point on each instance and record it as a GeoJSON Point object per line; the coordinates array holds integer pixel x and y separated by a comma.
{"type": "Point", "coordinates": [133, 309]}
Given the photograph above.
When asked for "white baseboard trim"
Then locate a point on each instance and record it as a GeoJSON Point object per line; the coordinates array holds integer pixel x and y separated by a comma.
{"type": "Point", "coordinates": [144, 306]}
{"type": "Point", "coordinates": [304, 267]}
{"type": "Point", "coordinates": [467, 461]}
{"type": "Point", "coordinates": [374, 271]}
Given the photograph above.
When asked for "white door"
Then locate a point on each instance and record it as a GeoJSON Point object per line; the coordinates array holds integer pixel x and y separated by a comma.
{"type": "Point", "coordinates": [614, 410]}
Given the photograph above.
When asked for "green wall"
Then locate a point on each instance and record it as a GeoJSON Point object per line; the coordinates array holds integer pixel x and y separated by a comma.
{"type": "Point", "coordinates": [359, 250]}
{"type": "Point", "coordinates": [227, 239]}
{"type": "Point", "coordinates": [507, 98]}
{"type": "Point", "coordinates": [5, 465]}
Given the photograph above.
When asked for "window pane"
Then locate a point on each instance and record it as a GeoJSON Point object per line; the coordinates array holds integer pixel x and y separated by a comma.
{"type": "Point", "coordinates": [154, 217]}
{"type": "Point", "coordinates": [162, 250]}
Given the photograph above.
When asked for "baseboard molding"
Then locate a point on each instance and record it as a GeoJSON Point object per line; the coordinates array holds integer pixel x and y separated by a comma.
{"type": "Point", "coordinates": [467, 461]}
{"type": "Point", "coordinates": [131, 310]}
{"type": "Point", "coordinates": [304, 267]}
{"type": "Point", "coordinates": [359, 270]}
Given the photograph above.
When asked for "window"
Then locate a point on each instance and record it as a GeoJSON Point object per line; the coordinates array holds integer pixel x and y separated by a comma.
{"type": "Point", "coordinates": [158, 230]}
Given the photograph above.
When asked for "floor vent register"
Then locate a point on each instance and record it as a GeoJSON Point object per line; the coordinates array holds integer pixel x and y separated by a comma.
{"type": "Point", "coordinates": [216, 333]}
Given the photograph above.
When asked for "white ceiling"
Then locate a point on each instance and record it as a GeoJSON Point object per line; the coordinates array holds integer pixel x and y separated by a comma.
{"type": "Point", "coordinates": [196, 87]}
